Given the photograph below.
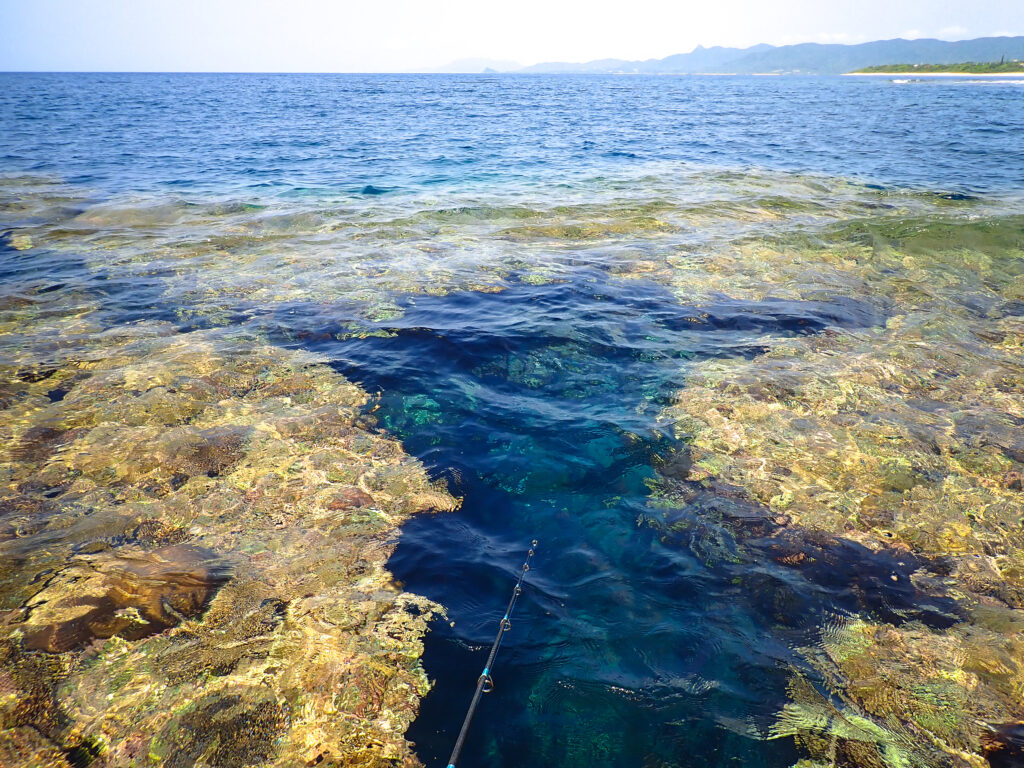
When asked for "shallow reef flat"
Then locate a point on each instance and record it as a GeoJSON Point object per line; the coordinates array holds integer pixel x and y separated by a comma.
{"type": "Point", "coordinates": [193, 541]}
{"type": "Point", "coordinates": [194, 522]}
{"type": "Point", "coordinates": [218, 261]}
{"type": "Point", "coordinates": [906, 438]}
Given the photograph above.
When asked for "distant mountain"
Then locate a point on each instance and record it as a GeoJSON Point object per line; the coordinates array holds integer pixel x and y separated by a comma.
{"type": "Point", "coordinates": [804, 58]}
{"type": "Point", "coordinates": [836, 59]}
{"type": "Point", "coordinates": [700, 59]}
{"type": "Point", "coordinates": [706, 59]}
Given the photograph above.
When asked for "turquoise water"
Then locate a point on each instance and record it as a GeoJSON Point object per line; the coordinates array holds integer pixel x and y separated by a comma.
{"type": "Point", "coordinates": [507, 265]}
{"type": "Point", "coordinates": [540, 405]}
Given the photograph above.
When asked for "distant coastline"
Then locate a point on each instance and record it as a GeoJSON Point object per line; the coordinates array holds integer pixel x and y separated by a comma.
{"type": "Point", "coordinates": [946, 69]}
{"type": "Point", "coordinates": [985, 54]}
{"type": "Point", "coordinates": [912, 73]}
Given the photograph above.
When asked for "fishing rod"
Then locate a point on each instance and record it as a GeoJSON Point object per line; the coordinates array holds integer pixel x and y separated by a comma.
{"type": "Point", "coordinates": [484, 683]}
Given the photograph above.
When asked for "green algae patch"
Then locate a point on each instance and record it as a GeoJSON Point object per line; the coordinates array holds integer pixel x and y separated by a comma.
{"type": "Point", "coordinates": [192, 561]}
{"type": "Point", "coordinates": [921, 697]}
{"type": "Point", "coordinates": [908, 434]}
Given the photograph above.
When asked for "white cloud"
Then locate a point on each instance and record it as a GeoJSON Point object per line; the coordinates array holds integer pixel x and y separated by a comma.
{"type": "Point", "coordinates": [953, 33]}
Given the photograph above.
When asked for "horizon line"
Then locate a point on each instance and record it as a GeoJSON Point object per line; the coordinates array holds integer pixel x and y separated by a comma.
{"type": "Point", "coordinates": [404, 72]}
{"type": "Point", "coordinates": [520, 67]}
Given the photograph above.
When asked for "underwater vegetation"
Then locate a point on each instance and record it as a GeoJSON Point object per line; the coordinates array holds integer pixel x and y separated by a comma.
{"type": "Point", "coordinates": [223, 262]}
{"type": "Point", "coordinates": [195, 523]}
{"type": "Point", "coordinates": [193, 538]}
{"type": "Point", "coordinates": [904, 437]}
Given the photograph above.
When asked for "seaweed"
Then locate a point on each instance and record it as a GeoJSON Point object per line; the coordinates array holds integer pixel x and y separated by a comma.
{"type": "Point", "coordinates": [904, 435]}
{"type": "Point", "coordinates": [197, 531]}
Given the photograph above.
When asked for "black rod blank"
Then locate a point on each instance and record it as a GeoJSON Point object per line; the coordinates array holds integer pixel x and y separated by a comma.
{"type": "Point", "coordinates": [484, 683]}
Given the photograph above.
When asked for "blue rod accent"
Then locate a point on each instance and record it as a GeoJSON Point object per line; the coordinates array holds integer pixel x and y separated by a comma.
{"type": "Point", "coordinates": [485, 678]}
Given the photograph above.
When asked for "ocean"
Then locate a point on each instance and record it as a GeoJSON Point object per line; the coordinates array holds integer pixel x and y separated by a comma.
{"type": "Point", "coordinates": [744, 354]}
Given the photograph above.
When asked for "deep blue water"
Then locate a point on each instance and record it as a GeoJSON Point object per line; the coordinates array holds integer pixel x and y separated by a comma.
{"type": "Point", "coordinates": [303, 134]}
{"type": "Point", "coordinates": [539, 404]}
{"type": "Point", "coordinates": [631, 647]}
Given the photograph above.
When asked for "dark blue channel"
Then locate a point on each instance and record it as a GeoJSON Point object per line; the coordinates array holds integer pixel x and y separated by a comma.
{"type": "Point", "coordinates": [644, 637]}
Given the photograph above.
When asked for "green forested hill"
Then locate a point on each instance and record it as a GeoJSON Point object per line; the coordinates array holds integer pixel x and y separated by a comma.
{"type": "Point", "coordinates": [967, 68]}
{"type": "Point", "coordinates": [806, 58]}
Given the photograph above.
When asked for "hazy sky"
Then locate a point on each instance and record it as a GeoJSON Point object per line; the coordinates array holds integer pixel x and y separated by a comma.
{"type": "Point", "coordinates": [402, 35]}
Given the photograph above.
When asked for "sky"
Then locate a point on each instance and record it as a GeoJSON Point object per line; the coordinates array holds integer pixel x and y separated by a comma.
{"type": "Point", "coordinates": [418, 35]}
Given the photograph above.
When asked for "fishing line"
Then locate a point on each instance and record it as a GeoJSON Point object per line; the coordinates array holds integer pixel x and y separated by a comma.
{"type": "Point", "coordinates": [484, 683]}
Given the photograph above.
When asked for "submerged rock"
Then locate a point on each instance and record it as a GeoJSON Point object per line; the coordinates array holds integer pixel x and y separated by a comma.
{"type": "Point", "coordinates": [1004, 745]}
{"type": "Point", "coordinates": [907, 435]}
{"type": "Point", "coordinates": [921, 697]}
{"type": "Point", "coordinates": [24, 746]}
{"type": "Point", "coordinates": [196, 534]}
{"type": "Point", "coordinates": [130, 595]}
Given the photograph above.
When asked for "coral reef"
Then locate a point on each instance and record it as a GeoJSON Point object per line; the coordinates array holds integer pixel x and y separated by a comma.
{"type": "Point", "coordinates": [910, 695]}
{"type": "Point", "coordinates": [193, 541]}
{"type": "Point", "coordinates": [194, 524]}
{"type": "Point", "coordinates": [908, 434]}
{"type": "Point", "coordinates": [219, 260]}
